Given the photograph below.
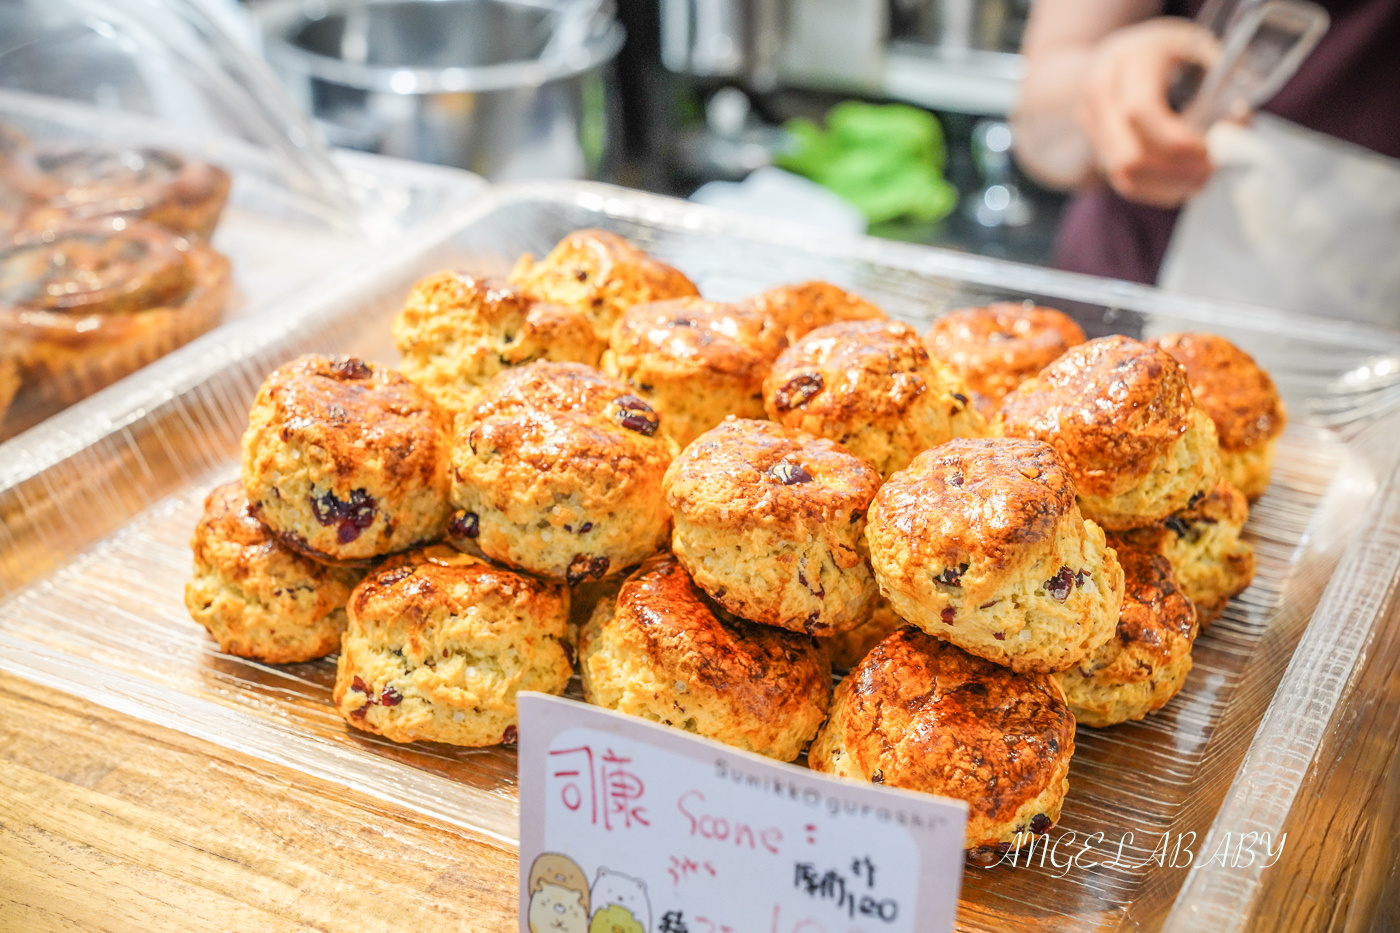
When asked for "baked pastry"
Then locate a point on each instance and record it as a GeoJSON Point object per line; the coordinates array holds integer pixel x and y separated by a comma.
{"type": "Point", "coordinates": [600, 274]}
{"type": "Point", "coordinates": [996, 347]}
{"type": "Point", "coordinates": [558, 471]}
{"type": "Point", "coordinates": [257, 598]}
{"type": "Point", "coordinates": [872, 387]}
{"type": "Point", "coordinates": [1212, 562]}
{"type": "Point", "coordinates": [84, 304]}
{"type": "Point", "coordinates": [458, 330]}
{"type": "Point", "coordinates": [66, 183]}
{"type": "Point", "coordinates": [1122, 415]}
{"type": "Point", "coordinates": [660, 651]}
{"type": "Point", "coordinates": [1145, 665]}
{"type": "Point", "coordinates": [440, 643]}
{"type": "Point", "coordinates": [920, 714]}
{"type": "Point", "coordinates": [770, 522]}
{"type": "Point", "coordinates": [694, 361]}
{"type": "Point", "coordinates": [849, 648]}
{"type": "Point", "coordinates": [9, 381]}
{"type": "Point", "coordinates": [346, 460]}
{"type": "Point", "coordinates": [1240, 398]}
{"type": "Point", "coordinates": [979, 542]}
{"type": "Point", "coordinates": [801, 308]}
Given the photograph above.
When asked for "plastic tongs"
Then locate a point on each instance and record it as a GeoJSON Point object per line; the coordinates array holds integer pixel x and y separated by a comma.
{"type": "Point", "coordinates": [1262, 45]}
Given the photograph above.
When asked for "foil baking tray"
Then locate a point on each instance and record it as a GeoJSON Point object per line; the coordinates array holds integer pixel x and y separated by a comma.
{"type": "Point", "coordinates": [97, 514]}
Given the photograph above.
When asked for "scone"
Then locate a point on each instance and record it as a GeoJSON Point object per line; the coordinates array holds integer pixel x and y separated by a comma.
{"type": "Point", "coordinates": [799, 309]}
{"type": "Point", "coordinates": [257, 598]}
{"type": "Point", "coordinates": [557, 470]}
{"type": "Point", "coordinates": [1122, 415]}
{"type": "Point", "coordinates": [849, 648]}
{"type": "Point", "coordinates": [659, 651]}
{"type": "Point", "coordinates": [600, 274]}
{"type": "Point", "coordinates": [920, 714]}
{"type": "Point", "coordinates": [871, 387]}
{"type": "Point", "coordinates": [9, 382]}
{"type": "Point", "coordinates": [694, 361]}
{"type": "Point", "coordinates": [440, 643]}
{"type": "Point", "coordinates": [1240, 398]}
{"type": "Point", "coordinates": [1145, 665]}
{"type": "Point", "coordinates": [770, 523]}
{"type": "Point", "coordinates": [996, 347]}
{"type": "Point", "coordinates": [346, 460]}
{"type": "Point", "coordinates": [457, 330]}
{"type": "Point", "coordinates": [1212, 562]}
{"type": "Point", "coordinates": [979, 542]}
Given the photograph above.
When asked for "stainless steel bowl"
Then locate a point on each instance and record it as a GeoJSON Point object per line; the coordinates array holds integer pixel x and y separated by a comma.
{"type": "Point", "coordinates": [457, 82]}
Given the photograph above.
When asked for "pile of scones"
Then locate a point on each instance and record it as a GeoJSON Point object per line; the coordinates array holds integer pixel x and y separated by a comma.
{"type": "Point", "coordinates": [998, 528]}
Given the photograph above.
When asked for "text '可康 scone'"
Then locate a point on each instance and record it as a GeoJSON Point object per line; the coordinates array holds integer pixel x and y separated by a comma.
{"type": "Point", "coordinates": [660, 651]}
{"type": "Point", "coordinates": [440, 643]}
{"type": "Point", "coordinates": [257, 598]}
{"type": "Point", "coordinates": [923, 715]}
{"type": "Point", "coordinates": [557, 470]}
{"type": "Point", "coordinates": [979, 542]}
{"type": "Point", "coordinates": [346, 460]}
{"type": "Point", "coordinates": [801, 308]}
{"type": "Point", "coordinates": [871, 387]}
{"type": "Point", "coordinates": [1122, 415]}
{"type": "Point", "coordinates": [770, 523]}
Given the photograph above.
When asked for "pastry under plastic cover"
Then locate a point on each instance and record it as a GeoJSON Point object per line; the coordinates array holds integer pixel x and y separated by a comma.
{"type": "Point", "coordinates": [1122, 416]}
{"type": "Point", "coordinates": [873, 388]}
{"type": "Point", "coordinates": [801, 308]}
{"type": "Point", "coordinates": [660, 651]}
{"type": "Point", "coordinates": [457, 330]}
{"type": "Point", "coordinates": [770, 522]}
{"type": "Point", "coordinates": [557, 470]}
{"type": "Point", "coordinates": [1146, 662]}
{"type": "Point", "coordinates": [600, 274]}
{"type": "Point", "coordinates": [979, 542]}
{"type": "Point", "coordinates": [695, 361]}
{"type": "Point", "coordinates": [86, 303]}
{"type": "Point", "coordinates": [440, 643]}
{"type": "Point", "coordinates": [1240, 398]}
{"type": "Point", "coordinates": [920, 714]}
{"type": "Point", "coordinates": [346, 460]}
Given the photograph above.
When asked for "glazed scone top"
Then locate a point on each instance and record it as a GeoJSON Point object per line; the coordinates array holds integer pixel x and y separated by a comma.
{"type": "Point", "coordinates": [231, 538]}
{"type": "Point", "coordinates": [743, 470]}
{"type": "Point", "coordinates": [996, 498]}
{"type": "Point", "coordinates": [1230, 387]}
{"type": "Point", "coordinates": [801, 308]}
{"type": "Point", "coordinates": [928, 714]}
{"type": "Point", "coordinates": [1153, 604]}
{"type": "Point", "coordinates": [1113, 407]}
{"type": "Point", "coordinates": [501, 304]}
{"type": "Point", "coordinates": [707, 335]}
{"type": "Point", "coordinates": [997, 346]}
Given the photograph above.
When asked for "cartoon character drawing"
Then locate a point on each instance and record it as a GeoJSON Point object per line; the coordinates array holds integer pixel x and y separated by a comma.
{"type": "Point", "coordinates": [557, 909]}
{"type": "Point", "coordinates": [614, 889]}
{"type": "Point", "coordinates": [558, 869]}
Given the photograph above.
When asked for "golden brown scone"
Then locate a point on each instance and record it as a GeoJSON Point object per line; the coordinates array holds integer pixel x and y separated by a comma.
{"type": "Point", "coordinates": [979, 542]}
{"type": "Point", "coordinates": [600, 274]}
{"type": "Point", "coordinates": [458, 330]}
{"type": "Point", "coordinates": [996, 347]}
{"type": "Point", "coordinates": [1122, 416]}
{"type": "Point", "coordinates": [849, 648]}
{"type": "Point", "coordinates": [799, 309]}
{"type": "Point", "coordinates": [770, 522]}
{"type": "Point", "coordinates": [346, 460]}
{"type": "Point", "coordinates": [558, 471]}
{"type": "Point", "coordinates": [257, 598]}
{"type": "Point", "coordinates": [1211, 561]}
{"type": "Point", "coordinates": [440, 643]}
{"type": "Point", "coordinates": [871, 387]}
{"type": "Point", "coordinates": [695, 361]}
{"type": "Point", "coordinates": [660, 652]}
{"type": "Point", "coordinates": [1146, 663]}
{"type": "Point", "coordinates": [921, 714]}
{"type": "Point", "coordinates": [9, 382]}
{"type": "Point", "coordinates": [1240, 398]}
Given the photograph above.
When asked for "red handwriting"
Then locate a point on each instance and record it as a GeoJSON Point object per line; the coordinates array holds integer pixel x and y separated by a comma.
{"type": "Point", "coordinates": [683, 867]}
{"type": "Point", "coordinates": [611, 791]}
{"type": "Point", "coordinates": [723, 829]}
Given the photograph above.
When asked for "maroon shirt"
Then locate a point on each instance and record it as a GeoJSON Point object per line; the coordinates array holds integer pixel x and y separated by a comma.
{"type": "Point", "coordinates": [1349, 87]}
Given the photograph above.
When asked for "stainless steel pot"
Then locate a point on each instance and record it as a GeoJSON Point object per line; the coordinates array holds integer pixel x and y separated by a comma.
{"type": "Point", "coordinates": [473, 83]}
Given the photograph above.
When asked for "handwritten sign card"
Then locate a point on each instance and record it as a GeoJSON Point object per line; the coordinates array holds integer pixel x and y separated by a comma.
{"type": "Point", "coordinates": [631, 827]}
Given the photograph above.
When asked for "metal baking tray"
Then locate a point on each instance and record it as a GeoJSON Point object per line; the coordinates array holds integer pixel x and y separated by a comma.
{"type": "Point", "coordinates": [97, 515]}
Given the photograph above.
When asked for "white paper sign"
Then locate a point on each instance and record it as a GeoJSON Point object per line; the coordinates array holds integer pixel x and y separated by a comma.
{"type": "Point", "coordinates": [631, 827]}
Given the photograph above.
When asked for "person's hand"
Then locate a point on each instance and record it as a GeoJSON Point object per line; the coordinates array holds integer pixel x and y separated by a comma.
{"type": "Point", "coordinates": [1145, 150]}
